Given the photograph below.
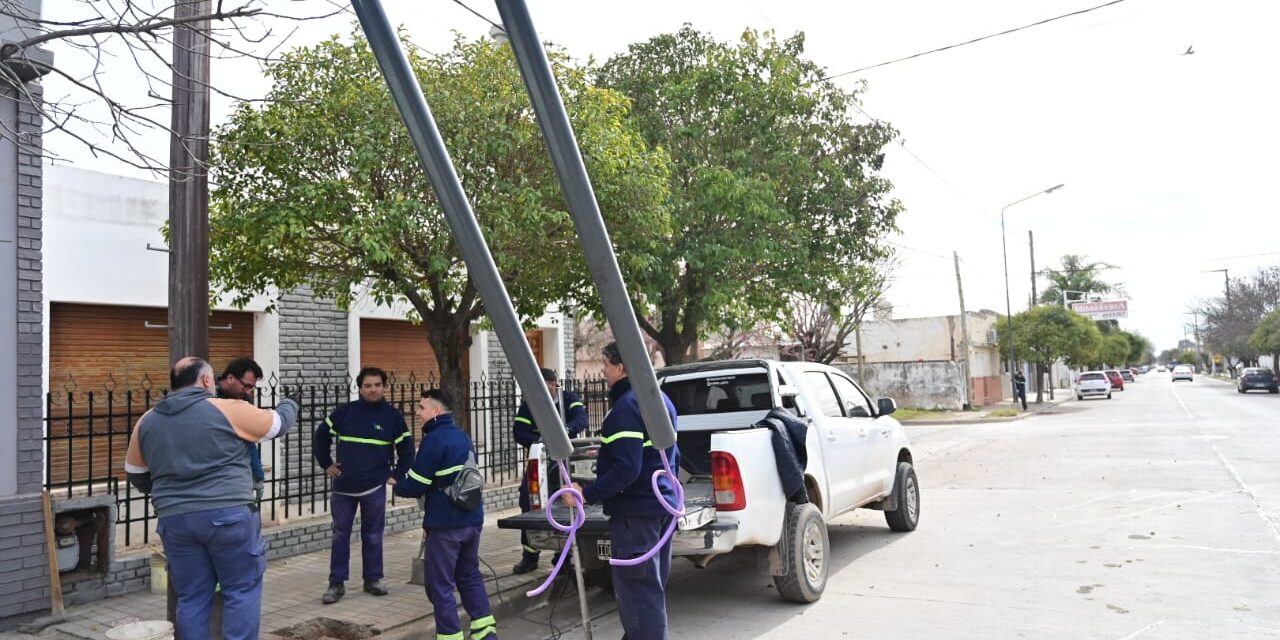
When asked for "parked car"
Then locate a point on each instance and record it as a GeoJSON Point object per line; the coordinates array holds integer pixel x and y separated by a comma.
{"type": "Point", "coordinates": [1117, 381]}
{"type": "Point", "coordinates": [1092, 383]}
{"type": "Point", "coordinates": [858, 458]}
{"type": "Point", "coordinates": [1160, 369]}
{"type": "Point", "coordinates": [1181, 372]}
{"type": "Point", "coordinates": [1258, 378]}
{"type": "Point", "coordinates": [1126, 375]}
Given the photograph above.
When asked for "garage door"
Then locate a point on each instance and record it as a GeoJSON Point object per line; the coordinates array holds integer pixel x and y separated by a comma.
{"type": "Point", "coordinates": [400, 347]}
{"type": "Point", "coordinates": [97, 348]}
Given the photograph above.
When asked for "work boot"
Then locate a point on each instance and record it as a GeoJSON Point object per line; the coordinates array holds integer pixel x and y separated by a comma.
{"type": "Point", "coordinates": [375, 587]}
{"type": "Point", "coordinates": [334, 593]}
{"type": "Point", "coordinates": [528, 562]}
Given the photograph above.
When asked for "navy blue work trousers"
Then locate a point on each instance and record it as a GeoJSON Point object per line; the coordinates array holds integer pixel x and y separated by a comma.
{"type": "Point", "coordinates": [641, 591]}
{"type": "Point", "coordinates": [373, 521]}
{"type": "Point", "coordinates": [210, 548]}
{"type": "Point", "coordinates": [453, 561]}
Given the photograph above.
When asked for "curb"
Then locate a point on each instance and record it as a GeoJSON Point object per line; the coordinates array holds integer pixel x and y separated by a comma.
{"type": "Point", "coordinates": [985, 420]}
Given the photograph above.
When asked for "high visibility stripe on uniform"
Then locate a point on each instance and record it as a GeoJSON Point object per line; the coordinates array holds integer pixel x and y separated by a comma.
{"type": "Point", "coordinates": [529, 548]}
{"type": "Point", "coordinates": [480, 623]}
{"type": "Point", "coordinates": [524, 420]}
{"type": "Point", "coordinates": [413, 474]}
{"type": "Point", "coordinates": [638, 435]}
{"type": "Point", "coordinates": [332, 430]}
{"type": "Point", "coordinates": [403, 436]}
{"type": "Point", "coordinates": [483, 633]}
{"type": "Point", "coordinates": [445, 472]}
{"type": "Point", "coordinates": [576, 404]}
{"type": "Point", "coordinates": [450, 636]}
{"type": "Point", "coordinates": [383, 443]}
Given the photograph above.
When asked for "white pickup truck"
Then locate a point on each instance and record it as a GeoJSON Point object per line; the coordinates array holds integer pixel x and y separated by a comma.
{"type": "Point", "coordinates": [858, 456]}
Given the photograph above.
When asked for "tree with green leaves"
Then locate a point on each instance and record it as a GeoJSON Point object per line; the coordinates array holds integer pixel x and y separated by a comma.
{"type": "Point", "coordinates": [1266, 338]}
{"type": "Point", "coordinates": [1075, 276]}
{"type": "Point", "coordinates": [1114, 351]}
{"type": "Point", "coordinates": [1046, 333]}
{"type": "Point", "coordinates": [319, 185]}
{"type": "Point", "coordinates": [774, 189]}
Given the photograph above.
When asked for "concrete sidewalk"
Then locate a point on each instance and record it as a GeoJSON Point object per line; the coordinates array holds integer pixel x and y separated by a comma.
{"type": "Point", "coordinates": [985, 414]}
{"type": "Point", "coordinates": [293, 586]}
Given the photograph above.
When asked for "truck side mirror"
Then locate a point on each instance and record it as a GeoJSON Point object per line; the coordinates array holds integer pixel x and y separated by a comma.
{"type": "Point", "coordinates": [886, 406]}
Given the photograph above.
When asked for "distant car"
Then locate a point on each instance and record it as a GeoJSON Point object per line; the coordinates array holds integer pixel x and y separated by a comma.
{"type": "Point", "coordinates": [1161, 369]}
{"type": "Point", "coordinates": [1117, 381]}
{"type": "Point", "coordinates": [1126, 375]}
{"type": "Point", "coordinates": [1181, 372]}
{"type": "Point", "coordinates": [1092, 383]}
{"type": "Point", "coordinates": [1258, 378]}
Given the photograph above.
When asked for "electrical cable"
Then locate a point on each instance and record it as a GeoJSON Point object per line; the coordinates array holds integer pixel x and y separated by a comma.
{"type": "Point", "coordinates": [571, 529]}
{"type": "Point", "coordinates": [974, 40]}
{"type": "Point", "coordinates": [477, 14]}
{"type": "Point", "coordinates": [676, 512]}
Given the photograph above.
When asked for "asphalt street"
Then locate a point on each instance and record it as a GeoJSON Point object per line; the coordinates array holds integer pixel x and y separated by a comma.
{"type": "Point", "coordinates": [1152, 515]}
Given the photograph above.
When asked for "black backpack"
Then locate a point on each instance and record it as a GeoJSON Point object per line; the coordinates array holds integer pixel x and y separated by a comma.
{"type": "Point", "coordinates": [466, 491]}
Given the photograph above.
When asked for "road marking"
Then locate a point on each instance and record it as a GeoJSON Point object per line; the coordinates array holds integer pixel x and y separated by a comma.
{"type": "Point", "coordinates": [1259, 552]}
{"type": "Point", "coordinates": [1257, 505]}
{"type": "Point", "coordinates": [1143, 630]}
{"type": "Point", "coordinates": [1182, 502]}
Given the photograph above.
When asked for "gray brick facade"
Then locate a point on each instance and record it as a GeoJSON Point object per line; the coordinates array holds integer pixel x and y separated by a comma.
{"type": "Point", "coordinates": [568, 335]}
{"type": "Point", "coordinates": [24, 582]}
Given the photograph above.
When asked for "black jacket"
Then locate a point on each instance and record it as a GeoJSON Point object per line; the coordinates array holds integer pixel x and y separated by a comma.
{"type": "Point", "coordinates": [789, 451]}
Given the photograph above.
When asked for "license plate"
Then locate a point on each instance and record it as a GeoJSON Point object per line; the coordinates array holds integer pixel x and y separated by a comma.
{"type": "Point", "coordinates": [604, 549]}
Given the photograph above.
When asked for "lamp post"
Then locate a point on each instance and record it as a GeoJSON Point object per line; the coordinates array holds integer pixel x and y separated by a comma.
{"type": "Point", "coordinates": [1004, 249]}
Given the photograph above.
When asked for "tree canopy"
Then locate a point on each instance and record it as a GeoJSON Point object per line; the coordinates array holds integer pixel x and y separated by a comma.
{"type": "Point", "coordinates": [1075, 276]}
{"type": "Point", "coordinates": [774, 189]}
{"type": "Point", "coordinates": [319, 185]}
{"type": "Point", "coordinates": [1045, 333]}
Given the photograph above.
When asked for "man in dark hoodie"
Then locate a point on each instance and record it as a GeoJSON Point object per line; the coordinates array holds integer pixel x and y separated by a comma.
{"type": "Point", "coordinates": [453, 534]}
{"type": "Point", "coordinates": [371, 435]}
{"type": "Point", "coordinates": [188, 452]}
{"type": "Point", "coordinates": [237, 383]}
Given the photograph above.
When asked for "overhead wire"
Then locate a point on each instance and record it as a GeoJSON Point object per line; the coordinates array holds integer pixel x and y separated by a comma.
{"type": "Point", "coordinates": [974, 40]}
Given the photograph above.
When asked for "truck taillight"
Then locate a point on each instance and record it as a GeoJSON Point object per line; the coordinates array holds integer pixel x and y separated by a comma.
{"type": "Point", "coordinates": [726, 480]}
{"type": "Point", "coordinates": [535, 487]}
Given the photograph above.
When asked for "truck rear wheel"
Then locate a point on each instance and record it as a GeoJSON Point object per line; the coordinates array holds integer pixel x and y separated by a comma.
{"type": "Point", "coordinates": [907, 493]}
{"type": "Point", "coordinates": [806, 552]}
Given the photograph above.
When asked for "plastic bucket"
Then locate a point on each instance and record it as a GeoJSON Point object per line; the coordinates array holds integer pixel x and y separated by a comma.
{"type": "Point", "coordinates": [145, 630]}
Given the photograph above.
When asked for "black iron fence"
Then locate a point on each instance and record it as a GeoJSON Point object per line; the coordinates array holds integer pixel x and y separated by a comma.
{"type": "Point", "coordinates": [87, 434]}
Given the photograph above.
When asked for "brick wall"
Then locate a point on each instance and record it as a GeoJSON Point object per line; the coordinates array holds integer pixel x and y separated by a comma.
{"type": "Point", "coordinates": [23, 571]}
{"type": "Point", "coordinates": [499, 366]}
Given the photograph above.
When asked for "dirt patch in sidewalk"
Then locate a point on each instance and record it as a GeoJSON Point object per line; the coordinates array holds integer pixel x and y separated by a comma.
{"type": "Point", "coordinates": [327, 629]}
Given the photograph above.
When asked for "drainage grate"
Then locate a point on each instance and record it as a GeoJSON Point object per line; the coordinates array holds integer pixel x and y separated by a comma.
{"type": "Point", "coordinates": [328, 629]}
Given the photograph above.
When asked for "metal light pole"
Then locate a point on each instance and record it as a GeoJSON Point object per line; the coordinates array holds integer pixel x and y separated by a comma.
{"type": "Point", "coordinates": [1004, 249]}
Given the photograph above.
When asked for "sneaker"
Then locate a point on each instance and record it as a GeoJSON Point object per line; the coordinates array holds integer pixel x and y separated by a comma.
{"type": "Point", "coordinates": [375, 587]}
{"type": "Point", "coordinates": [334, 593]}
{"type": "Point", "coordinates": [527, 563]}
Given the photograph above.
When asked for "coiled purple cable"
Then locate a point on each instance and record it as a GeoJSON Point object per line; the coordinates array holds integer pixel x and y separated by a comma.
{"type": "Point", "coordinates": [676, 512]}
{"type": "Point", "coordinates": [571, 528]}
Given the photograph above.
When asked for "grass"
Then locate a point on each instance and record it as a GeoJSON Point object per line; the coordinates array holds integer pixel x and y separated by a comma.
{"type": "Point", "coordinates": [1006, 412]}
{"type": "Point", "coordinates": [915, 414]}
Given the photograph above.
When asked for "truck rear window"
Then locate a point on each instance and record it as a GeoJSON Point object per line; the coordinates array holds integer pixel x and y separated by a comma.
{"type": "Point", "coordinates": [720, 394]}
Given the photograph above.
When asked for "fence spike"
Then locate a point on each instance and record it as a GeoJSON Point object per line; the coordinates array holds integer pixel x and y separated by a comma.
{"type": "Point", "coordinates": [146, 381]}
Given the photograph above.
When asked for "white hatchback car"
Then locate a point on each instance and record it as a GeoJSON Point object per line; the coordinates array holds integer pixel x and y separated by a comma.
{"type": "Point", "coordinates": [1181, 372]}
{"type": "Point", "coordinates": [1092, 383]}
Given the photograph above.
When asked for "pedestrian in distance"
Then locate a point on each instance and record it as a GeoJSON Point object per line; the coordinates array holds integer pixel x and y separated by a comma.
{"type": "Point", "coordinates": [1020, 389]}
{"type": "Point", "coordinates": [452, 559]}
{"type": "Point", "coordinates": [637, 520]}
{"type": "Point", "coordinates": [188, 453]}
{"type": "Point", "coordinates": [526, 433]}
{"type": "Point", "coordinates": [237, 382]}
{"type": "Point", "coordinates": [374, 449]}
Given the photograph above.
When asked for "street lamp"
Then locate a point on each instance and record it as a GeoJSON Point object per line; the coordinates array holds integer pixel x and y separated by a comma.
{"type": "Point", "coordinates": [1008, 306]}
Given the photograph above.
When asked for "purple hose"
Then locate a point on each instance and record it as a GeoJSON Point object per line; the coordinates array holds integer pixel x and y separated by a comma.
{"type": "Point", "coordinates": [675, 512]}
{"type": "Point", "coordinates": [571, 528]}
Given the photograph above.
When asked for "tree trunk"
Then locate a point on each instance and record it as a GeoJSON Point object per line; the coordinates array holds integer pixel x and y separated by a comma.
{"type": "Point", "coordinates": [1039, 383]}
{"type": "Point", "coordinates": [451, 341]}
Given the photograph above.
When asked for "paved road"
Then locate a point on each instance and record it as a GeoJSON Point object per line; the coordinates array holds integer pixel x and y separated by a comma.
{"type": "Point", "coordinates": [1152, 515]}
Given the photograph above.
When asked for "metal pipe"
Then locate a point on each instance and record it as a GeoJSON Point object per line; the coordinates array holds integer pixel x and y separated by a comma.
{"type": "Point", "coordinates": [429, 144]}
{"type": "Point", "coordinates": [592, 234]}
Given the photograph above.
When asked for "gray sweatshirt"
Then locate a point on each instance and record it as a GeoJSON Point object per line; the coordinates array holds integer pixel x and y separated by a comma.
{"type": "Point", "coordinates": [189, 450]}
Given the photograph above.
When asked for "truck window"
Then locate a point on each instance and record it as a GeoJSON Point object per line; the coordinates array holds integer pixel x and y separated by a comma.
{"type": "Point", "coordinates": [720, 394]}
{"type": "Point", "coordinates": [853, 401]}
{"type": "Point", "coordinates": [828, 404]}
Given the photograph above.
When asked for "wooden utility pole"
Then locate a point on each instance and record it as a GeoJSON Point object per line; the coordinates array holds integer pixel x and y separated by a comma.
{"type": "Point", "coordinates": [189, 186]}
{"type": "Point", "coordinates": [1031, 239]}
{"type": "Point", "coordinates": [964, 335]}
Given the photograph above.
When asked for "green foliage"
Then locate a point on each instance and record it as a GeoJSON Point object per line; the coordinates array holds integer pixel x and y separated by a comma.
{"type": "Point", "coordinates": [319, 185]}
{"type": "Point", "coordinates": [774, 189]}
{"type": "Point", "coordinates": [1076, 275]}
{"type": "Point", "coordinates": [1046, 333]}
{"type": "Point", "coordinates": [1188, 357]}
{"type": "Point", "coordinates": [1266, 338]}
{"type": "Point", "coordinates": [1141, 350]}
{"type": "Point", "coordinates": [1114, 351]}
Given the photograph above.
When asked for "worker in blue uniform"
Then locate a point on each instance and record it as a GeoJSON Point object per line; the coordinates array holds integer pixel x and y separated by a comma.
{"type": "Point", "coordinates": [637, 520]}
{"type": "Point", "coordinates": [371, 435]}
{"type": "Point", "coordinates": [452, 558]}
{"type": "Point", "coordinates": [526, 433]}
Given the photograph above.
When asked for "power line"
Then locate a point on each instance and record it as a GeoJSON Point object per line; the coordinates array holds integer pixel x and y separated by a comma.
{"type": "Point", "coordinates": [477, 14]}
{"type": "Point", "coordinates": [979, 39]}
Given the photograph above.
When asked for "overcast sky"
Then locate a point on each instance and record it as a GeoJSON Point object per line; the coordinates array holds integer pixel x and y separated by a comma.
{"type": "Point", "coordinates": [1167, 158]}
